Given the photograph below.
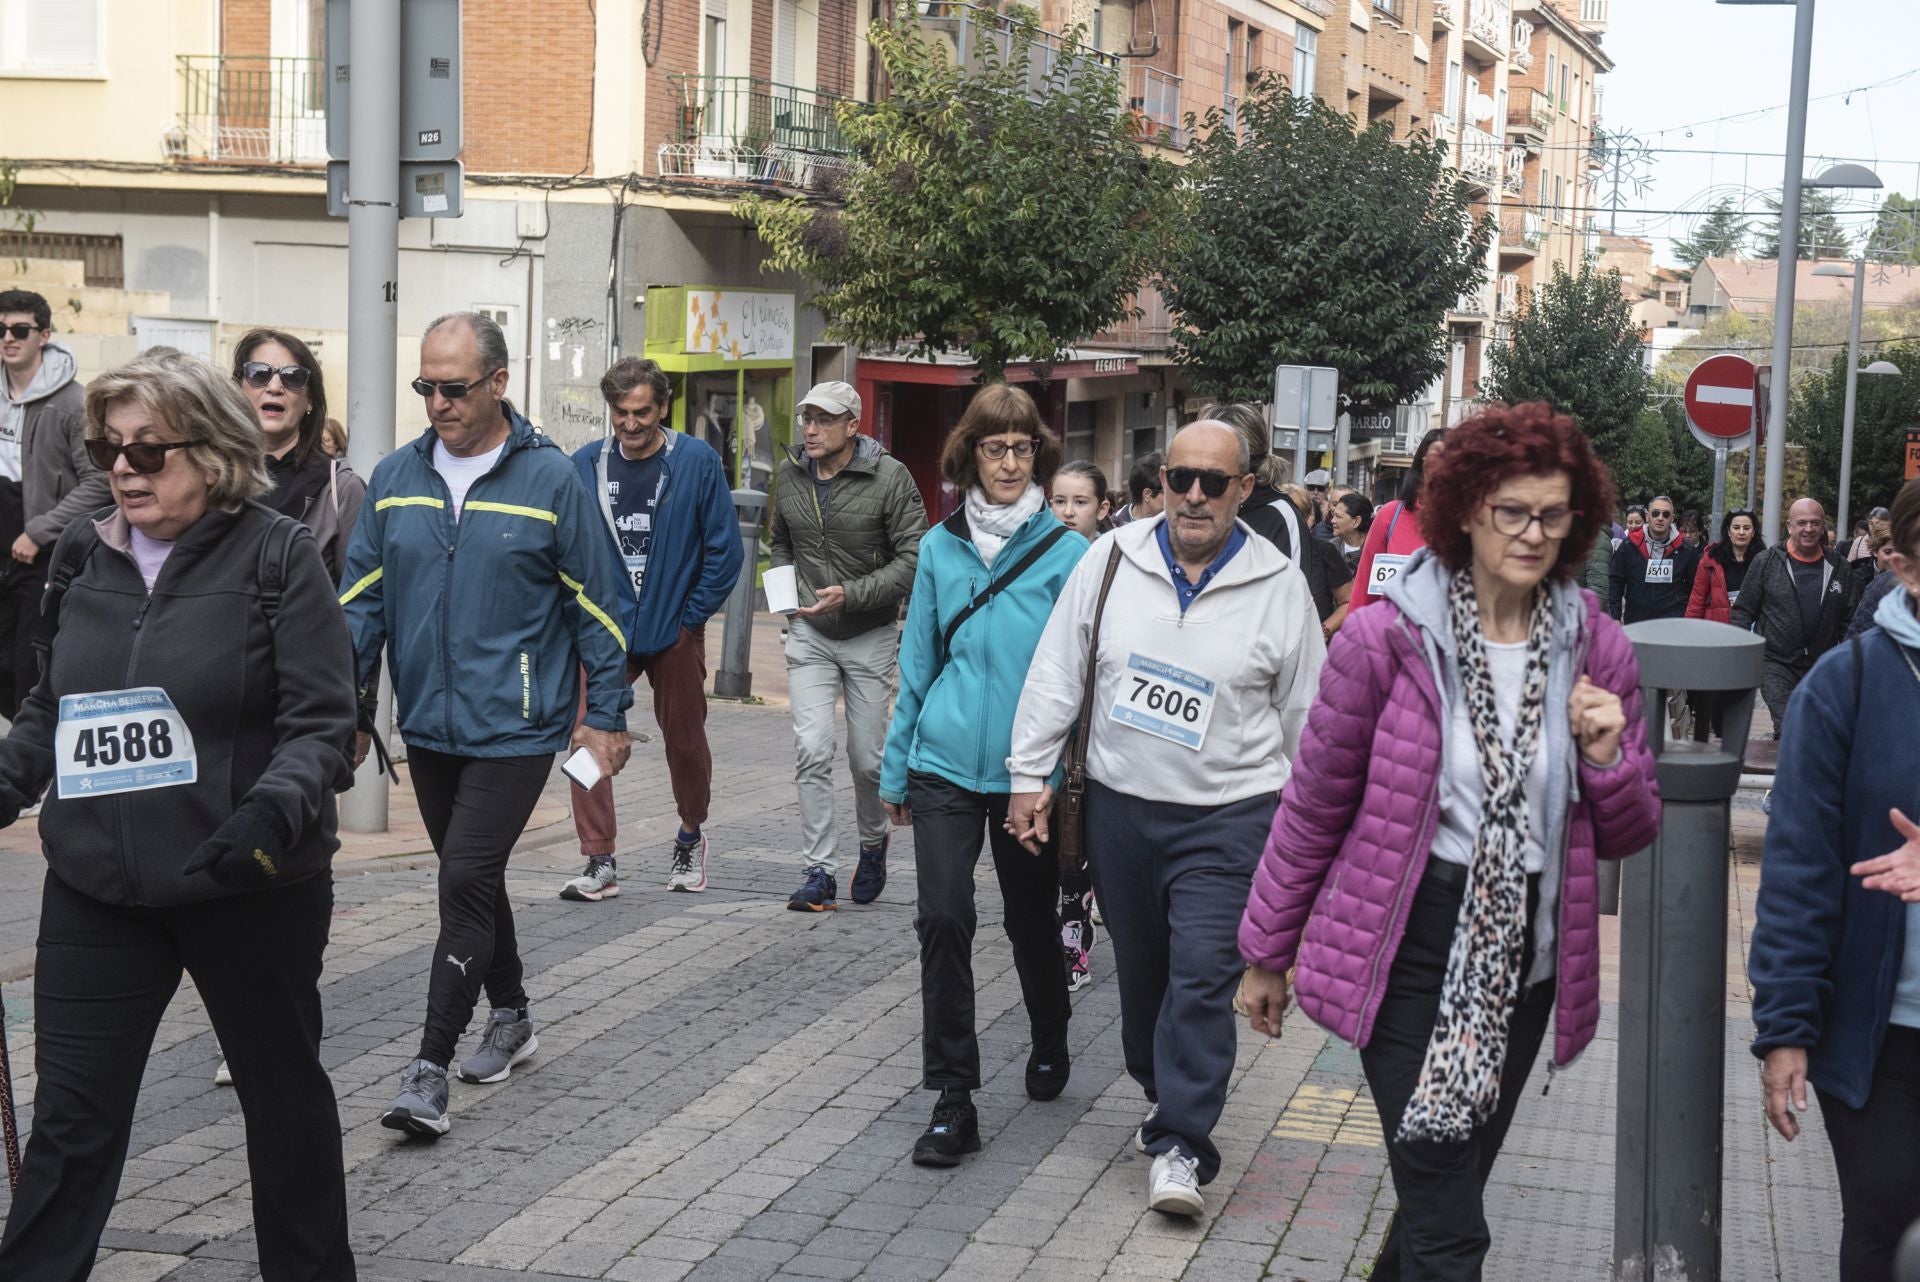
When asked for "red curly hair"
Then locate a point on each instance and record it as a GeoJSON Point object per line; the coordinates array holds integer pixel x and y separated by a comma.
{"type": "Point", "coordinates": [1496, 446]}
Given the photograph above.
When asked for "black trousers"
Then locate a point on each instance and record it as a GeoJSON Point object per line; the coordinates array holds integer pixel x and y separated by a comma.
{"type": "Point", "coordinates": [103, 978]}
{"type": "Point", "coordinates": [947, 825]}
{"type": "Point", "coordinates": [1439, 1233]}
{"type": "Point", "coordinates": [475, 809]}
{"type": "Point", "coordinates": [1876, 1151]}
{"type": "Point", "coordinates": [21, 587]}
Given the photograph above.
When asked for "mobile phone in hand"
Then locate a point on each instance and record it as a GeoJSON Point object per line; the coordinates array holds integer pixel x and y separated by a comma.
{"type": "Point", "coordinates": [583, 768]}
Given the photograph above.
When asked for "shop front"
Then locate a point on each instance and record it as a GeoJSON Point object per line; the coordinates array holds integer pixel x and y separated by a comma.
{"type": "Point", "coordinates": [730, 354]}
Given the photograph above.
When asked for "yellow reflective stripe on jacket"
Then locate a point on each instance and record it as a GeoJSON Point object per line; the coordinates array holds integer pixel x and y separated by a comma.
{"type": "Point", "coordinates": [580, 595]}
{"type": "Point", "coordinates": [409, 500]}
{"type": "Point", "coordinates": [511, 509]}
{"type": "Point", "coordinates": [362, 585]}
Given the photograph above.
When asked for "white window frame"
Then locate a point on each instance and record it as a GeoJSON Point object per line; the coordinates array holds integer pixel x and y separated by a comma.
{"type": "Point", "coordinates": [13, 20]}
{"type": "Point", "coordinates": [1306, 59]}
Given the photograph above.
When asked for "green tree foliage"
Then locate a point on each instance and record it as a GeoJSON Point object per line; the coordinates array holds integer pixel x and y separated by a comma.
{"type": "Point", "coordinates": [1575, 347]}
{"type": "Point", "coordinates": [1896, 231]}
{"type": "Point", "coordinates": [1821, 235]}
{"type": "Point", "coordinates": [1691, 485]}
{"type": "Point", "coordinates": [1723, 233]}
{"type": "Point", "coordinates": [1643, 463]}
{"type": "Point", "coordinates": [1884, 413]}
{"type": "Point", "coordinates": [1004, 209]}
{"type": "Point", "coordinates": [1314, 243]}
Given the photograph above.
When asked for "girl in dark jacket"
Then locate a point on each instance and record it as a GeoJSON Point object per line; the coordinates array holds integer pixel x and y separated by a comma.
{"type": "Point", "coordinates": [194, 733]}
{"type": "Point", "coordinates": [1835, 959]}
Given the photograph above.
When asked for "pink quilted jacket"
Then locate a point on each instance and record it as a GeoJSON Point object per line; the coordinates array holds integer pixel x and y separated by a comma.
{"type": "Point", "coordinates": [1357, 820]}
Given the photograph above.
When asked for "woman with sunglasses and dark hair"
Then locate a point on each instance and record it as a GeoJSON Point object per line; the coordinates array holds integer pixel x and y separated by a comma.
{"type": "Point", "coordinates": [282, 379]}
{"type": "Point", "coordinates": [1395, 535]}
{"type": "Point", "coordinates": [193, 722]}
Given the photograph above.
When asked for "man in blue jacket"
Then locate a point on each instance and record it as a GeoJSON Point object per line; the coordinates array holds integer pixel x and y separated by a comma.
{"type": "Point", "coordinates": [668, 516]}
{"type": "Point", "coordinates": [479, 562]}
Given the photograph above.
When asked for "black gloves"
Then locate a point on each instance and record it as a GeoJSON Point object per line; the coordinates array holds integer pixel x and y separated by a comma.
{"type": "Point", "coordinates": [245, 851]}
{"type": "Point", "coordinates": [11, 804]}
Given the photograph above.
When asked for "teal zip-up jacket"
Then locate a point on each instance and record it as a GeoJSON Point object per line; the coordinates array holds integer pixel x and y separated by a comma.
{"type": "Point", "coordinates": [489, 619]}
{"type": "Point", "coordinates": [955, 719]}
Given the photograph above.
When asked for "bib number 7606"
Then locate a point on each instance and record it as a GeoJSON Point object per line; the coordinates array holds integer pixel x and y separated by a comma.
{"type": "Point", "coordinates": [1166, 699]}
{"type": "Point", "coordinates": [134, 741]}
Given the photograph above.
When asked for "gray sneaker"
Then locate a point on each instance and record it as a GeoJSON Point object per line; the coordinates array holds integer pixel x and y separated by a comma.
{"type": "Point", "coordinates": [421, 1106]}
{"type": "Point", "coordinates": [505, 1041]}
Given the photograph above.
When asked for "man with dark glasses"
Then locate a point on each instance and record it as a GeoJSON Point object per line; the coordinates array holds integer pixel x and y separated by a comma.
{"type": "Point", "coordinates": [45, 479]}
{"type": "Point", "coordinates": [479, 561]}
{"type": "Point", "coordinates": [1653, 568]}
{"type": "Point", "coordinates": [1209, 656]}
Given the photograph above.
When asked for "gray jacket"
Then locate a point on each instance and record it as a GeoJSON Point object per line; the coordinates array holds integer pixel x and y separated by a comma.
{"type": "Point", "coordinates": [1770, 606]}
{"type": "Point", "coordinates": [57, 480]}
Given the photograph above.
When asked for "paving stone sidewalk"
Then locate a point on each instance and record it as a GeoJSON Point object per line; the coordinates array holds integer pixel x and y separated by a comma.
{"type": "Point", "coordinates": [726, 1090]}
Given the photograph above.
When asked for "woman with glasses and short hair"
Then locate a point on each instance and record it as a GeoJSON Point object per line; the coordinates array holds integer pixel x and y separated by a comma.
{"type": "Point", "coordinates": [282, 380]}
{"type": "Point", "coordinates": [984, 588]}
{"type": "Point", "coordinates": [1477, 744]}
{"type": "Point", "coordinates": [194, 721]}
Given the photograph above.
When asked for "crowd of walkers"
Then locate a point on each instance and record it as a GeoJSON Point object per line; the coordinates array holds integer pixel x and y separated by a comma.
{"type": "Point", "coordinates": [1261, 738]}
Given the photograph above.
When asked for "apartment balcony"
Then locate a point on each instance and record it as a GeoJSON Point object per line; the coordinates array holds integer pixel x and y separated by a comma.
{"type": "Point", "coordinates": [250, 109]}
{"type": "Point", "coordinates": [1521, 235]}
{"type": "Point", "coordinates": [1593, 15]}
{"type": "Point", "coordinates": [1514, 181]}
{"type": "Point", "coordinates": [745, 129]}
{"type": "Point", "coordinates": [1443, 127]}
{"type": "Point", "coordinates": [1489, 24]}
{"type": "Point", "coordinates": [1507, 301]}
{"type": "Point", "coordinates": [1153, 104]}
{"type": "Point", "coordinates": [969, 30]}
{"type": "Point", "coordinates": [1395, 9]}
{"type": "Point", "coordinates": [1471, 305]}
{"type": "Point", "coordinates": [1520, 56]}
{"type": "Point", "coordinates": [1530, 120]}
{"type": "Point", "coordinates": [1480, 158]}
{"type": "Point", "coordinates": [1446, 14]}
{"type": "Point", "coordinates": [1151, 331]}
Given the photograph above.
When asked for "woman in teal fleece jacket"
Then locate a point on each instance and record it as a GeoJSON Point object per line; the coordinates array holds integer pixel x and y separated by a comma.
{"type": "Point", "coordinates": [1000, 562]}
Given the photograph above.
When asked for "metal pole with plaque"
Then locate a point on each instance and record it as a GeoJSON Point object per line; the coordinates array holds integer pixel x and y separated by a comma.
{"type": "Point", "coordinates": [1306, 399]}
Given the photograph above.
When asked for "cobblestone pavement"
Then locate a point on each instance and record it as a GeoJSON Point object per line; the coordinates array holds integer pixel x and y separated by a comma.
{"type": "Point", "coordinates": [726, 1090]}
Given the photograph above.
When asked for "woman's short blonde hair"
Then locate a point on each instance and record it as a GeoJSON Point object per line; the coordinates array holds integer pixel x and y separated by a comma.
{"type": "Point", "coordinates": [194, 401]}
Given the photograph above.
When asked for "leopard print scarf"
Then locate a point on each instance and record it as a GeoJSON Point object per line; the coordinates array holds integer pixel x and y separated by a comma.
{"type": "Point", "coordinates": [1459, 1081]}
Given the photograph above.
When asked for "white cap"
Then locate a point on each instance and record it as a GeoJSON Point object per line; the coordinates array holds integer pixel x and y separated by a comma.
{"type": "Point", "coordinates": [1320, 477]}
{"type": "Point", "coordinates": [834, 398]}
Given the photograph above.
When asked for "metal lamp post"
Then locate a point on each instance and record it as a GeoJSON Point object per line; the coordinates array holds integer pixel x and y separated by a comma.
{"type": "Point", "coordinates": [1859, 275]}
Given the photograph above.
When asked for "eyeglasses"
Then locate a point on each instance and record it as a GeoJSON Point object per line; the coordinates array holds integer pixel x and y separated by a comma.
{"type": "Point", "coordinates": [142, 457]}
{"type": "Point", "coordinates": [21, 331]}
{"type": "Point", "coordinates": [1512, 520]}
{"type": "Point", "coordinates": [815, 418]}
{"type": "Point", "coordinates": [1212, 483]}
{"type": "Point", "coordinates": [260, 374]}
{"type": "Point", "coordinates": [454, 391]}
{"type": "Point", "coordinates": [1661, 511]}
{"type": "Point", "coordinates": [997, 449]}
{"type": "Point", "coordinates": [1316, 489]}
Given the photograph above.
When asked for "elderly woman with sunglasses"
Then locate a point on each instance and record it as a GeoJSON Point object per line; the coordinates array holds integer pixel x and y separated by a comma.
{"type": "Point", "coordinates": [282, 379]}
{"type": "Point", "coordinates": [194, 720]}
{"type": "Point", "coordinates": [1478, 743]}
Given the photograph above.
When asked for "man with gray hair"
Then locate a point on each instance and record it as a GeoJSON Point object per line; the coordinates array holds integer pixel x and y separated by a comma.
{"type": "Point", "coordinates": [479, 561]}
{"type": "Point", "coordinates": [1209, 657]}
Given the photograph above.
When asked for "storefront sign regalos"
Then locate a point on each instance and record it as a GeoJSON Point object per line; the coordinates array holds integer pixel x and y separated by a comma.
{"type": "Point", "coordinates": [740, 326]}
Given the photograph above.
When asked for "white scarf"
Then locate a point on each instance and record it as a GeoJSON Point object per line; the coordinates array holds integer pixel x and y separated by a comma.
{"type": "Point", "coordinates": [993, 524]}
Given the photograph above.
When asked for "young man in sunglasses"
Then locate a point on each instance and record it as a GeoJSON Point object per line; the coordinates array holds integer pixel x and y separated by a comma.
{"type": "Point", "coordinates": [45, 479]}
{"type": "Point", "coordinates": [1209, 657]}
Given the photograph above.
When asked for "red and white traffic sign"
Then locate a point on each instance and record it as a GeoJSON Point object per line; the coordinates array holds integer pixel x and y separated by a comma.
{"type": "Point", "coordinates": [1720, 398]}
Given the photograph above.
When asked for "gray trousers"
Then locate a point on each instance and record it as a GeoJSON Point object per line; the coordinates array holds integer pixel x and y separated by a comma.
{"type": "Point", "coordinates": [1777, 684]}
{"type": "Point", "coordinates": [820, 671]}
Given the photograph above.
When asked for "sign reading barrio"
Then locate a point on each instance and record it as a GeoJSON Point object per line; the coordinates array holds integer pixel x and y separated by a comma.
{"type": "Point", "coordinates": [1720, 397]}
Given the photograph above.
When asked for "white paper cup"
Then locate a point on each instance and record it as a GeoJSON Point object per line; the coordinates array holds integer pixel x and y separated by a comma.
{"type": "Point", "coordinates": [783, 591]}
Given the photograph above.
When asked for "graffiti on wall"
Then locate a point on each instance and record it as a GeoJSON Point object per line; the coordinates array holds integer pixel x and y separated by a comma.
{"type": "Point", "coordinates": [572, 409]}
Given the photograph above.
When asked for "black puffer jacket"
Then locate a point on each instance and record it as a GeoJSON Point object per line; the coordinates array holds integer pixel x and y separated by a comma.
{"type": "Point", "coordinates": [1770, 606]}
{"type": "Point", "coordinates": [270, 722]}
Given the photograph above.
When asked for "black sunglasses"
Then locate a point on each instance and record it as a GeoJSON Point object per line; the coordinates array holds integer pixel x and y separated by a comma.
{"type": "Point", "coordinates": [454, 391]}
{"type": "Point", "coordinates": [141, 456]}
{"type": "Point", "coordinates": [19, 330]}
{"type": "Point", "coordinates": [1212, 483]}
{"type": "Point", "coordinates": [259, 374]}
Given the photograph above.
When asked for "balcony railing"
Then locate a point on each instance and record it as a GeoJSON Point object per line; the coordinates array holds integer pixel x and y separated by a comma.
{"type": "Point", "coordinates": [1531, 114]}
{"type": "Point", "coordinates": [1443, 127]}
{"type": "Point", "coordinates": [1520, 57]}
{"type": "Point", "coordinates": [1488, 24]}
{"type": "Point", "coordinates": [968, 29]}
{"type": "Point", "coordinates": [1446, 14]}
{"type": "Point", "coordinates": [250, 108]}
{"type": "Point", "coordinates": [1472, 303]}
{"type": "Point", "coordinates": [1522, 231]}
{"type": "Point", "coordinates": [1151, 331]}
{"type": "Point", "coordinates": [1509, 298]}
{"type": "Point", "coordinates": [1153, 102]}
{"type": "Point", "coordinates": [1480, 155]}
{"type": "Point", "coordinates": [749, 129]}
{"type": "Point", "coordinates": [1514, 181]}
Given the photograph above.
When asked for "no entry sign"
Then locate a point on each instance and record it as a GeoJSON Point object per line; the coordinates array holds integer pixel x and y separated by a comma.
{"type": "Point", "coordinates": [1720, 400]}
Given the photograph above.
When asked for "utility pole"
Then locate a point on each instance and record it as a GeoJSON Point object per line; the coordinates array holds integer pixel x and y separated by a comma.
{"type": "Point", "coordinates": [1788, 274]}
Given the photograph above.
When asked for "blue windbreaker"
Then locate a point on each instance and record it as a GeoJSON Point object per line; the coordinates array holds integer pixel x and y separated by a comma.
{"type": "Point", "coordinates": [955, 719]}
{"type": "Point", "coordinates": [488, 620]}
{"type": "Point", "coordinates": [696, 554]}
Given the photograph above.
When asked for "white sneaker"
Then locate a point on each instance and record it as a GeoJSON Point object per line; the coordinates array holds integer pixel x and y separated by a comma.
{"type": "Point", "coordinates": [1093, 911]}
{"type": "Point", "coordinates": [1140, 1136]}
{"type": "Point", "coordinates": [1173, 1185]}
{"type": "Point", "coordinates": [689, 867]}
{"type": "Point", "coordinates": [599, 881]}
{"type": "Point", "coordinates": [222, 1076]}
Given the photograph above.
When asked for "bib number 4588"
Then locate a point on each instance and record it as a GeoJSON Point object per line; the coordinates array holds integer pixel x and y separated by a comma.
{"type": "Point", "coordinates": [134, 741]}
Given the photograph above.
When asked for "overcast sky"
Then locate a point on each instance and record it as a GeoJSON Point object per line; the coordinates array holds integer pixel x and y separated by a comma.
{"type": "Point", "coordinates": [1684, 65]}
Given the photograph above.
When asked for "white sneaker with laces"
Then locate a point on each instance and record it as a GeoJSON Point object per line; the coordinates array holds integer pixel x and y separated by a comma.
{"type": "Point", "coordinates": [1140, 1136]}
{"type": "Point", "coordinates": [689, 867]}
{"type": "Point", "coordinates": [600, 881]}
{"type": "Point", "coordinates": [1173, 1185]}
{"type": "Point", "coordinates": [222, 1076]}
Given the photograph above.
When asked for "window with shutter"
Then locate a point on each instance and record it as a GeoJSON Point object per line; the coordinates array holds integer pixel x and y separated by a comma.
{"type": "Point", "coordinates": [52, 37]}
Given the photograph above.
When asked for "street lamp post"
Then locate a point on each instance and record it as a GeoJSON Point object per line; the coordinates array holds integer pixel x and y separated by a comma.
{"type": "Point", "coordinates": [1859, 274]}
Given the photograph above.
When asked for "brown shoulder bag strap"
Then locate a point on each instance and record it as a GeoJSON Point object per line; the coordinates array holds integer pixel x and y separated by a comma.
{"type": "Point", "coordinates": [1077, 751]}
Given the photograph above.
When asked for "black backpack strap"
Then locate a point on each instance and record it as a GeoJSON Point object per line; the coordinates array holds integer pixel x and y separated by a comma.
{"type": "Point", "coordinates": [271, 576]}
{"type": "Point", "coordinates": [996, 587]}
{"type": "Point", "coordinates": [73, 559]}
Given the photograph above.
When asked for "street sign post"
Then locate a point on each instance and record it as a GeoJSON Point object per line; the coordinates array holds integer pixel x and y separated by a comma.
{"type": "Point", "coordinates": [1307, 398]}
{"type": "Point", "coordinates": [1721, 397]}
{"type": "Point", "coordinates": [432, 179]}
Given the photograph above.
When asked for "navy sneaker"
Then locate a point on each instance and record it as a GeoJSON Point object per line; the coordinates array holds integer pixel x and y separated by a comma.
{"type": "Point", "coordinates": [817, 894]}
{"type": "Point", "coordinates": [870, 878]}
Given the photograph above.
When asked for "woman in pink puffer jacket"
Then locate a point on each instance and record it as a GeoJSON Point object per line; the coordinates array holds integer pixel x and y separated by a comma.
{"type": "Point", "coordinates": [1477, 744]}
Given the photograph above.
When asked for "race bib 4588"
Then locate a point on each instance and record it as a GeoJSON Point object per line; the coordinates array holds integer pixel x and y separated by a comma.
{"type": "Point", "coordinates": [121, 741]}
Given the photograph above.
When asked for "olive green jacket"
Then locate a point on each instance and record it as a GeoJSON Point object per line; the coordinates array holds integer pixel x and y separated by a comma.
{"type": "Point", "coordinates": [868, 543]}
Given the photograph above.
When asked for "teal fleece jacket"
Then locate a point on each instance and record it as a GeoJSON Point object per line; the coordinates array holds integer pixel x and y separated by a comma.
{"type": "Point", "coordinates": [955, 719]}
{"type": "Point", "coordinates": [490, 619]}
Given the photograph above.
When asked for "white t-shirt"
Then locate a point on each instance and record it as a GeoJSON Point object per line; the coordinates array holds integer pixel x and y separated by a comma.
{"type": "Point", "coordinates": [1460, 816]}
{"type": "Point", "coordinates": [460, 473]}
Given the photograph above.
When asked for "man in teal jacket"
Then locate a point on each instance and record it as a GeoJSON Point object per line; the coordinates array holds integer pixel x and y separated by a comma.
{"type": "Point", "coordinates": [479, 562]}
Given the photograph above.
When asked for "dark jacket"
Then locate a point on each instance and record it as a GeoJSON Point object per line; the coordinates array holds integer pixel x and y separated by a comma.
{"type": "Point", "coordinates": [489, 620]}
{"type": "Point", "coordinates": [1632, 598]}
{"type": "Point", "coordinates": [330, 509]}
{"type": "Point", "coordinates": [1884, 582]}
{"type": "Point", "coordinates": [695, 556]}
{"type": "Point", "coordinates": [1826, 951]}
{"type": "Point", "coordinates": [58, 482]}
{"type": "Point", "coordinates": [1599, 576]}
{"type": "Point", "coordinates": [1263, 518]}
{"type": "Point", "coordinates": [271, 712]}
{"type": "Point", "coordinates": [1769, 605]}
{"type": "Point", "coordinates": [868, 543]}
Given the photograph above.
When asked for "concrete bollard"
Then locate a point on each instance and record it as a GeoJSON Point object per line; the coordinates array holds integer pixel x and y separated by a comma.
{"type": "Point", "coordinates": [734, 680]}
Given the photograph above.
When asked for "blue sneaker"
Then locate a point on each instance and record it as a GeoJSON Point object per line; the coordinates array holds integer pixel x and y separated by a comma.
{"type": "Point", "coordinates": [870, 878]}
{"type": "Point", "coordinates": [817, 894]}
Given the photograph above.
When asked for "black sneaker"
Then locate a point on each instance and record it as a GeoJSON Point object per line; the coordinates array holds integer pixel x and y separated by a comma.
{"type": "Point", "coordinates": [817, 894]}
{"type": "Point", "coordinates": [870, 878]}
{"type": "Point", "coordinates": [1048, 1069]}
{"type": "Point", "coordinates": [953, 1133]}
